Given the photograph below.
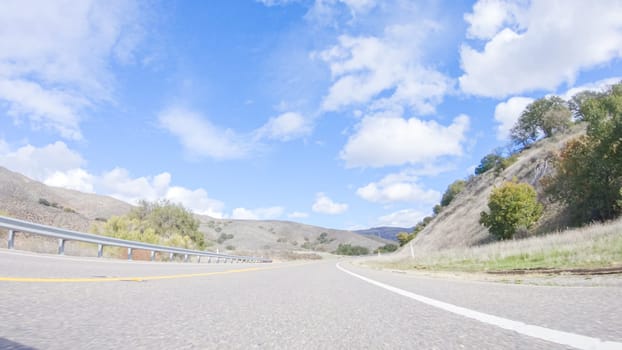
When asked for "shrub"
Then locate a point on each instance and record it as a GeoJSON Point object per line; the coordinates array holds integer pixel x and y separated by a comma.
{"type": "Point", "coordinates": [223, 237]}
{"type": "Point", "coordinates": [452, 191]}
{"type": "Point", "coordinates": [490, 161]}
{"type": "Point", "coordinates": [387, 248]}
{"type": "Point", "coordinates": [230, 247]}
{"type": "Point", "coordinates": [348, 249]}
{"type": "Point", "coordinates": [512, 206]}
{"type": "Point", "coordinates": [45, 202]}
{"type": "Point", "coordinates": [437, 209]}
{"type": "Point", "coordinates": [404, 237]}
{"type": "Point", "coordinates": [157, 222]}
{"type": "Point", "coordinates": [322, 238]}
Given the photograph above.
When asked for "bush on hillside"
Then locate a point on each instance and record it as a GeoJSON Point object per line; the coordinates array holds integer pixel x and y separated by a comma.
{"type": "Point", "coordinates": [387, 248]}
{"type": "Point", "coordinates": [452, 191]}
{"type": "Point", "coordinates": [404, 237]}
{"type": "Point", "coordinates": [348, 249]}
{"type": "Point", "coordinates": [490, 161]}
{"type": "Point", "coordinates": [226, 236]}
{"type": "Point", "coordinates": [156, 222]}
{"type": "Point", "coordinates": [512, 206]}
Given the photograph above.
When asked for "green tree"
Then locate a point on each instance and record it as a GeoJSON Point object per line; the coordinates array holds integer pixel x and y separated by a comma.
{"type": "Point", "coordinates": [589, 169]}
{"type": "Point", "coordinates": [545, 116]}
{"type": "Point", "coordinates": [452, 191]}
{"type": "Point", "coordinates": [490, 161]}
{"type": "Point", "coordinates": [512, 206]}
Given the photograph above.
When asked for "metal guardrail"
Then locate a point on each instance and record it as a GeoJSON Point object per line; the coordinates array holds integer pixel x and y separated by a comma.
{"type": "Point", "coordinates": [15, 225]}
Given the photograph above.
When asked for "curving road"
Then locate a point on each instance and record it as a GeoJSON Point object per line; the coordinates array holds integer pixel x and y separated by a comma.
{"type": "Point", "coordinates": [51, 302]}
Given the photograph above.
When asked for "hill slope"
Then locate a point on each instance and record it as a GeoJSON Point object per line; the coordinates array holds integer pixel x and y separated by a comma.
{"type": "Point", "coordinates": [21, 197]}
{"type": "Point", "coordinates": [27, 199]}
{"type": "Point", "coordinates": [282, 235]}
{"type": "Point", "coordinates": [458, 224]}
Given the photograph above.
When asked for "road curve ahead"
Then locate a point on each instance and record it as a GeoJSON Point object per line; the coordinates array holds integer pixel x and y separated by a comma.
{"type": "Point", "coordinates": [50, 302]}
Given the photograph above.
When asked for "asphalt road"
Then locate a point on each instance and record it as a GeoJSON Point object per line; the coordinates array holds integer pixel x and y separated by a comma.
{"type": "Point", "coordinates": [103, 304]}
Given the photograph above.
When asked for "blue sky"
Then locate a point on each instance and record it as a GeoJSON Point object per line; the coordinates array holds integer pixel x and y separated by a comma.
{"type": "Point", "coordinates": [340, 113]}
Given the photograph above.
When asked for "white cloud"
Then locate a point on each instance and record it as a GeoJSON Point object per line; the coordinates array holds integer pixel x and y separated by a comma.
{"type": "Point", "coordinates": [257, 214]}
{"type": "Point", "coordinates": [507, 113]}
{"type": "Point", "coordinates": [358, 7]}
{"type": "Point", "coordinates": [323, 204]}
{"type": "Point", "coordinates": [73, 179]}
{"type": "Point", "coordinates": [40, 163]}
{"type": "Point", "coordinates": [119, 184]}
{"type": "Point", "coordinates": [401, 218]}
{"type": "Point", "coordinates": [548, 44]}
{"type": "Point", "coordinates": [202, 138]}
{"type": "Point", "coordinates": [57, 165]}
{"type": "Point", "coordinates": [271, 3]}
{"type": "Point", "coordinates": [400, 187]}
{"type": "Point", "coordinates": [383, 140]}
{"type": "Point", "coordinates": [489, 16]}
{"type": "Point", "coordinates": [285, 127]}
{"type": "Point", "coordinates": [55, 57]}
{"type": "Point", "coordinates": [384, 72]}
{"type": "Point", "coordinates": [197, 200]}
{"type": "Point", "coordinates": [297, 215]}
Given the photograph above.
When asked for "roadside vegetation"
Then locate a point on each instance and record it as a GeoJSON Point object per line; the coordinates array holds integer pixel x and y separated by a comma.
{"type": "Point", "coordinates": [593, 246]}
{"type": "Point", "coordinates": [582, 184]}
{"type": "Point", "coordinates": [348, 249]}
{"type": "Point", "coordinates": [159, 222]}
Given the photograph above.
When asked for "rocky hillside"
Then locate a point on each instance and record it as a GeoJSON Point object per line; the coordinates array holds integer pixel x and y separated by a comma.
{"type": "Point", "coordinates": [457, 225]}
{"type": "Point", "coordinates": [26, 199]}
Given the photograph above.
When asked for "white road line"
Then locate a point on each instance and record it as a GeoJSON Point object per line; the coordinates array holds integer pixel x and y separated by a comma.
{"type": "Point", "coordinates": [552, 335]}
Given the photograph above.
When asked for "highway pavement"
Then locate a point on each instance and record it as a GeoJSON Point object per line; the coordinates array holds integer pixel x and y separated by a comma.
{"type": "Point", "coordinates": [52, 302]}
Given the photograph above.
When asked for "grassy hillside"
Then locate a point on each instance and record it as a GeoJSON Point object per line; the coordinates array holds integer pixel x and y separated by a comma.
{"type": "Point", "coordinates": [457, 225]}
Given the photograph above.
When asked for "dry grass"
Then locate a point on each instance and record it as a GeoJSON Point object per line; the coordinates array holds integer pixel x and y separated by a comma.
{"type": "Point", "coordinates": [597, 245]}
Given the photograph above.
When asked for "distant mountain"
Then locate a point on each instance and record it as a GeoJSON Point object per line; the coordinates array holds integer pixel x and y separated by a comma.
{"type": "Point", "coordinates": [384, 232]}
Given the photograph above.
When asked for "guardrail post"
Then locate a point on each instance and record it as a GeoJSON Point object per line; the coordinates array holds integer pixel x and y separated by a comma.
{"type": "Point", "coordinates": [152, 257]}
{"type": "Point", "coordinates": [198, 259]}
{"type": "Point", "coordinates": [209, 259]}
{"type": "Point", "coordinates": [61, 246]}
{"type": "Point", "coordinates": [129, 253]}
{"type": "Point", "coordinates": [11, 239]}
{"type": "Point", "coordinates": [100, 250]}
{"type": "Point", "coordinates": [171, 256]}
{"type": "Point", "coordinates": [185, 257]}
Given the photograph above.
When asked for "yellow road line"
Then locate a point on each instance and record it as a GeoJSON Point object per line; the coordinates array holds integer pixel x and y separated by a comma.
{"type": "Point", "coordinates": [131, 279]}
